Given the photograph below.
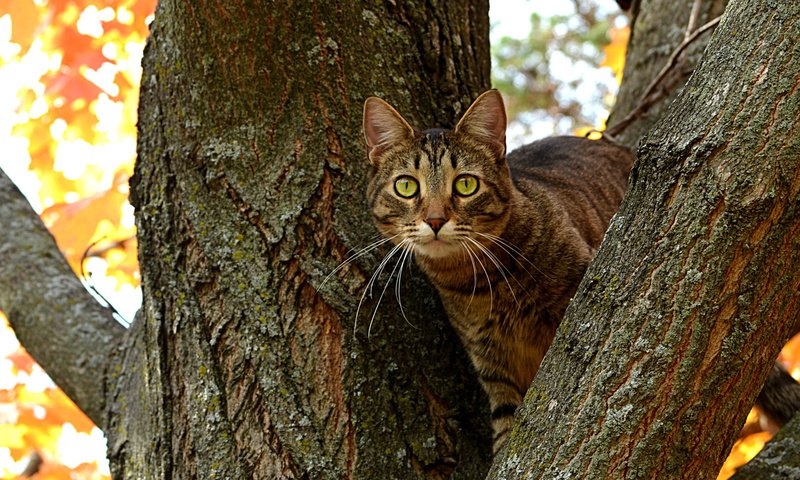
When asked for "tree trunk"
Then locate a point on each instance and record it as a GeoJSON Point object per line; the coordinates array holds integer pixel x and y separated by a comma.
{"type": "Point", "coordinates": [694, 290]}
{"type": "Point", "coordinates": [249, 190]}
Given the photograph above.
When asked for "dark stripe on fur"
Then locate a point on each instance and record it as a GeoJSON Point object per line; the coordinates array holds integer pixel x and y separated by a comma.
{"type": "Point", "coordinates": [498, 435]}
{"type": "Point", "coordinates": [501, 380]}
{"type": "Point", "coordinates": [481, 288]}
{"type": "Point", "coordinates": [505, 410]}
{"type": "Point", "coordinates": [486, 327]}
{"type": "Point", "coordinates": [435, 144]}
{"type": "Point", "coordinates": [385, 219]}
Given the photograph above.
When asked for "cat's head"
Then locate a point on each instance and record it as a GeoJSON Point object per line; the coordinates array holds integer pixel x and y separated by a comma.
{"type": "Point", "coordinates": [438, 190]}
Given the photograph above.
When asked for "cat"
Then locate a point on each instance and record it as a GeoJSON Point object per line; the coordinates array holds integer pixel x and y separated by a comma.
{"type": "Point", "coordinates": [504, 239]}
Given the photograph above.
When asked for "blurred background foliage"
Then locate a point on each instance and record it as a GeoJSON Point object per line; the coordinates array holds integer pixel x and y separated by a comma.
{"type": "Point", "coordinates": [560, 74]}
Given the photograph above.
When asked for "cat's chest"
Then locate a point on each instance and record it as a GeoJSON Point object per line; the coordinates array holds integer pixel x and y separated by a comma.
{"type": "Point", "coordinates": [496, 309]}
{"type": "Point", "coordinates": [502, 329]}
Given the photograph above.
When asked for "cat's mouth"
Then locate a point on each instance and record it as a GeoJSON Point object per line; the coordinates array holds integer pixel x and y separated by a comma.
{"type": "Point", "coordinates": [436, 247]}
{"type": "Point", "coordinates": [436, 243]}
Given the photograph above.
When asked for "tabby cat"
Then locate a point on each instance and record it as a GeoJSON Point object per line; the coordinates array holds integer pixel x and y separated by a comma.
{"type": "Point", "coordinates": [504, 239]}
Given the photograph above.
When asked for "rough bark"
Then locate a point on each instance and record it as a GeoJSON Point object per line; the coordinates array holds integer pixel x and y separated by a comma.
{"type": "Point", "coordinates": [54, 317]}
{"type": "Point", "coordinates": [694, 289]}
{"type": "Point", "coordinates": [249, 191]}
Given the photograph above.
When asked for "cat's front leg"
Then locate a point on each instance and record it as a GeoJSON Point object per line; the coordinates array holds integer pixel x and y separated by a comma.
{"type": "Point", "coordinates": [504, 398]}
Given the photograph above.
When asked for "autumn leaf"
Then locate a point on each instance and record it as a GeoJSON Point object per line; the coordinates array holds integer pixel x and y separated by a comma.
{"type": "Point", "coordinates": [742, 452]}
{"type": "Point", "coordinates": [74, 224]}
{"type": "Point", "coordinates": [22, 361]}
{"type": "Point", "coordinates": [13, 436]}
{"type": "Point", "coordinates": [26, 21]}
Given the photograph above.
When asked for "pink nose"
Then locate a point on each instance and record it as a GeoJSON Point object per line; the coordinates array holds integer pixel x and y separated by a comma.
{"type": "Point", "coordinates": [435, 223]}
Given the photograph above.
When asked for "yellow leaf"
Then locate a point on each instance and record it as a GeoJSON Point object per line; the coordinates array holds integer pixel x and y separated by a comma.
{"type": "Point", "coordinates": [742, 452]}
{"type": "Point", "coordinates": [13, 437]}
{"type": "Point", "coordinates": [615, 51]}
{"type": "Point", "coordinates": [74, 224]}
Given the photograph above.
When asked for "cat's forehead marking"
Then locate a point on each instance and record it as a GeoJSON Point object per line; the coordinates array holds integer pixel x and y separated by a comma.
{"type": "Point", "coordinates": [435, 147]}
{"type": "Point", "coordinates": [432, 157]}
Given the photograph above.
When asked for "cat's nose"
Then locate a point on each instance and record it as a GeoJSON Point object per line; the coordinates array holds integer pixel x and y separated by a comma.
{"type": "Point", "coordinates": [436, 223]}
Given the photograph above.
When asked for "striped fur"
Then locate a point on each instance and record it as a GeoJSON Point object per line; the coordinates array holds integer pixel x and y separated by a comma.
{"type": "Point", "coordinates": [506, 259]}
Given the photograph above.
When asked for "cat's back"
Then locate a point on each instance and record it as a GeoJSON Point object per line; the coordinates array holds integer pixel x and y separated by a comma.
{"type": "Point", "coordinates": [587, 178]}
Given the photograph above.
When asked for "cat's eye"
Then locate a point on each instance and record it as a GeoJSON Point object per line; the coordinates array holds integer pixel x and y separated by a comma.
{"type": "Point", "coordinates": [406, 186]}
{"type": "Point", "coordinates": [465, 185]}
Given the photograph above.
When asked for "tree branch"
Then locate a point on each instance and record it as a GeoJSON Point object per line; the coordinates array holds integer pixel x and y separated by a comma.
{"type": "Point", "coordinates": [54, 317]}
{"type": "Point", "coordinates": [678, 320]}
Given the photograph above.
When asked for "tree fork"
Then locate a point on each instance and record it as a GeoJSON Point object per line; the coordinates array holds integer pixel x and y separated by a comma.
{"type": "Point", "coordinates": [654, 38]}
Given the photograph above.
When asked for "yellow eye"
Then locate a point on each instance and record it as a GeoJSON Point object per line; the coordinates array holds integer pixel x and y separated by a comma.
{"type": "Point", "coordinates": [465, 185]}
{"type": "Point", "coordinates": [406, 187]}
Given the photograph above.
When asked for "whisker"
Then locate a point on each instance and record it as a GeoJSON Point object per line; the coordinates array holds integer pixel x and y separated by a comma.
{"type": "Point", "coordinates": [474, 274]}
{"type": "Point", "coordinates": [502, 242]}
{"type": "Point", "coordinates": [377, 237]}
{"type": "Point", "coordinates": [502, 266]}
{"type": "Point", "coordinates": [386, 259]}
{"type": "Point", "coordinates": [496, 261]}
{"type": "Point", "coordinates": [388, 281]}
{"type": "Point", "coordinates": [372, 246]}
{"type": "Point", "coordinates": [508, 249]}
{"type": "Point", "coordinates": [372, 279]}
{"type": "Point", "coordinates": [488, 280]}
{"type": "Point", "coordinates": [406, 253]}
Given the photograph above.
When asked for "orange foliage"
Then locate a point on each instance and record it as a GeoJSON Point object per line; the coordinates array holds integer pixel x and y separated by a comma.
{"type": "Point", "coordinates": [746, 448]}
{"type": "Point", "coordinates": [38, 418]}
{"type": "Point", "coordinates": [742, 452]}
{"type": "Point", "coordinates": [69, 79]}
{"type": "Point", "coordinates": [77, 111]}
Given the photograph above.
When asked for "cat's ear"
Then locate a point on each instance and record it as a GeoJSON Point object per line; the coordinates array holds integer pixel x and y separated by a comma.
{"type": "Point", "coordinates": [485, 121]}
{"type": "Point", "coordinates": [383, 128]}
